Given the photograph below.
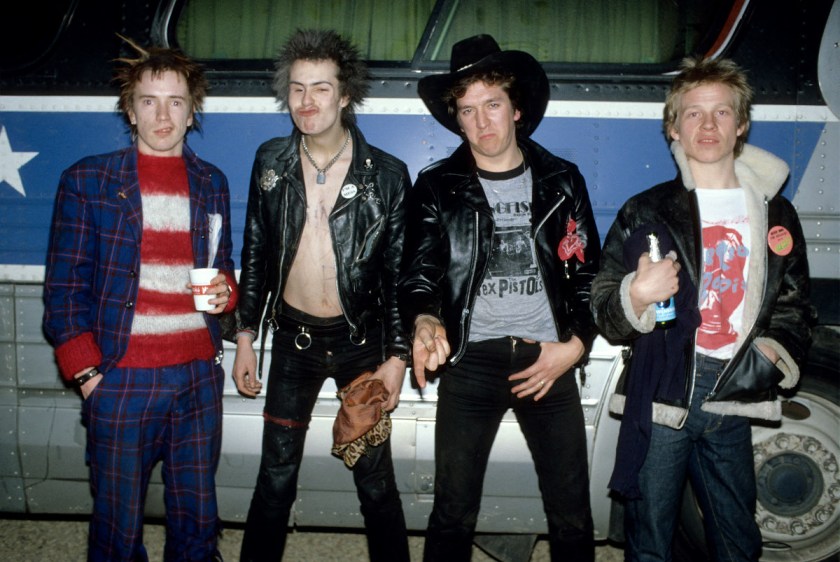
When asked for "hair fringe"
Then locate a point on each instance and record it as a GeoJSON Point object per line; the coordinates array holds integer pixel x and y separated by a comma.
{"type": "Point", "coordinates": [158, 60]}
{"type": "Point", "coordinates": [697, 71]}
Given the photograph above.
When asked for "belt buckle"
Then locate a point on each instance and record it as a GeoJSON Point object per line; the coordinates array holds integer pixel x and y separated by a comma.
{"type": "Point", "coordinates": [303, 339]}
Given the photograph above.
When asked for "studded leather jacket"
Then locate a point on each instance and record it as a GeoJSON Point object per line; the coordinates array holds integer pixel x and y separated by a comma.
{"type": "Point", "coordinates": [366, 225]}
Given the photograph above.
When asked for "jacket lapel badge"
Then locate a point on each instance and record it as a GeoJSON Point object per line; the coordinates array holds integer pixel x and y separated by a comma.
{"type": "Point", "coordinates": [571, 244]}
{"type": "Point", "coordinates": [268, 180]}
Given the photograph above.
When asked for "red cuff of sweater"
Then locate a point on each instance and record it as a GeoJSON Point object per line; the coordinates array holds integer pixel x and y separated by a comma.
{"type": "Point", "coordinates": [230, 279]}
{"type": "Point", "coordinates": [77, 354]}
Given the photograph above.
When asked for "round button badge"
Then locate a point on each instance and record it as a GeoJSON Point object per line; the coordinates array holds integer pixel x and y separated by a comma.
{"type": "Point", "coordinates": [349, 191]}
{"type": "Point", "coordinates": [780, 240]}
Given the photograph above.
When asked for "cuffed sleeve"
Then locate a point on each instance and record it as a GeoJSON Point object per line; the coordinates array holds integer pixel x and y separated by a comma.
{"type": "Point", "coordinates": [74, 355]}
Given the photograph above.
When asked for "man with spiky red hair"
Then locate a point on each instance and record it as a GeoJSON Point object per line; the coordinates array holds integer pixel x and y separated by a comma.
{"type": "Point", "coordinates": [121, 316]}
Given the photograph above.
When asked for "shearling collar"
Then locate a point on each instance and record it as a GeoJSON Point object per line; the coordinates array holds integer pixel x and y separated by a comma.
{"type": "Point", "coordinates": [756, 169]}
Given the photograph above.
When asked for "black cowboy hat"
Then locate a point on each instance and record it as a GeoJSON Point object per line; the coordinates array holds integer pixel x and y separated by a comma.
{"type": "Point", "coordinates": [479, 53]}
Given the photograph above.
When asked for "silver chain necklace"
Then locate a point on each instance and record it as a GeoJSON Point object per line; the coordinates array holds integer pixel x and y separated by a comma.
{"type": "Point", "coordinates": [321, 178]}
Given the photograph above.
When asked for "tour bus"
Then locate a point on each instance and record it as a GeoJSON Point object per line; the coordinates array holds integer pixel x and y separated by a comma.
{"type": "Point", "coordinates": [609, 63]}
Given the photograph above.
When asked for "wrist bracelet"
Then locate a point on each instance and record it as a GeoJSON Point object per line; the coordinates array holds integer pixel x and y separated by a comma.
{"type": "Point", "coordinates": [250, 333]}
{"type": "Point", "coordinates": [81, 380]}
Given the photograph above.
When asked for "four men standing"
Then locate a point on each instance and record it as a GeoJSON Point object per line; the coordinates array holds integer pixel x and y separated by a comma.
{"type": "Point", "coordinates": [494, 282]}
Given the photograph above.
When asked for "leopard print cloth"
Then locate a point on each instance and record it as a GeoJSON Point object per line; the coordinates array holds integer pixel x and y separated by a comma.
{"type": "Point", "coordinates": [352, 452]}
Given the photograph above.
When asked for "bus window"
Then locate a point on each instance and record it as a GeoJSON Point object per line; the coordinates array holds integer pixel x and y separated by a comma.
{"type": "Point", "coordinates": [589, 32]}
{"type": "Point", "coordinates": [384, 30]}
{"type": "Point", "coordinates": [42, 29]}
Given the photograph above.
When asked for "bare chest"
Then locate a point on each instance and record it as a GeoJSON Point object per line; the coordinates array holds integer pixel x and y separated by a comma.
{"type": "Point", "coordinates": [311, 285]}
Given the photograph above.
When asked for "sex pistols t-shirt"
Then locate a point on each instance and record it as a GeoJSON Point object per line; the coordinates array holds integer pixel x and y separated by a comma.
{"type": "Point", "coordinates": [726, 252]}
{"type": "Point", "coordinates": [512, 299]}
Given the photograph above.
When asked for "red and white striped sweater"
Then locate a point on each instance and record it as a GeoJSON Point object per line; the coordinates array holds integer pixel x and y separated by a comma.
{"type": "Point", "coordinates": [166, 330]}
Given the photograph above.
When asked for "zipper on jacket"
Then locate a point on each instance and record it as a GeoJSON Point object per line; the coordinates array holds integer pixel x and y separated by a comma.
{"type": "Point", "coordinates": [280, 263]}
{"type": "Point", "coordinates": [692, 365]}
{"type": "Point", "coordinates": [467, 310]}
{"type": "Point", "coordinates": [699, 268]}
{"type": "Point", "coordinates": [354, 328]}
{"type": "Point", "coordinates": [548, 214]}
{"type": "Point", "coordinates": [271, 321]}
{"type": "Point", "coordinates": [539, 266]}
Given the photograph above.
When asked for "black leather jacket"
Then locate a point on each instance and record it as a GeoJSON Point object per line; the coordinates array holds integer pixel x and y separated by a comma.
{"type": "Point", "coordinates": [367, 234]}
{"type": "Point", "coordinates": [449, 235]}
{"type": "Point", "coordinates": [777, 310]}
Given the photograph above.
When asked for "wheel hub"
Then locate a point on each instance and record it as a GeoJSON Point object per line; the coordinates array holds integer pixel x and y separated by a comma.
{"type": "Point", "coordinates": [798, 485]}
{"type": "Point", "coordinates": [789, 484]}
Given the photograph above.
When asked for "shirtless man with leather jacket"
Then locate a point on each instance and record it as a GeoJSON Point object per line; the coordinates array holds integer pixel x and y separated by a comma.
{"type": "Point", "coordinates": [323, 241]}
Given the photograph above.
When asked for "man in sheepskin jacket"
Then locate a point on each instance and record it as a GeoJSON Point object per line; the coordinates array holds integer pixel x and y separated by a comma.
{"type": "Point", "coordinates": [736, 264]}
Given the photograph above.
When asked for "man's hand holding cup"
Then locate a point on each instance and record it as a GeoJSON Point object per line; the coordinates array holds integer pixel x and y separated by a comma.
{"type": "Point", "coordinates": [210, 290]}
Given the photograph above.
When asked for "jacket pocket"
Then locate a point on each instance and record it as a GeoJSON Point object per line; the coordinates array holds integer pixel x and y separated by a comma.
{"type": "Point", "coordinates": [752, 379]}
{"type": "Point", "coordinates": [366, 283]}
{"type": "Point", "coordinates": [368, 244]}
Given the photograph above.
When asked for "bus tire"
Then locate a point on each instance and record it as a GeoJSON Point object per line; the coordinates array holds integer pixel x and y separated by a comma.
{"type": "Point", "coordinates": [797, 473]}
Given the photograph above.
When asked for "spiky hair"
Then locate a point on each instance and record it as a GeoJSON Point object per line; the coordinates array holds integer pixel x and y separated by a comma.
{"type": "Point", "coordinates": [320, 45]}
{"type": "Point", "coordinates": [158, 60]}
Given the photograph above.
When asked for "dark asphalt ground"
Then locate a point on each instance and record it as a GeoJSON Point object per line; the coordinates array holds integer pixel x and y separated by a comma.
{"type": "Point", "coordinates": [61, 540]}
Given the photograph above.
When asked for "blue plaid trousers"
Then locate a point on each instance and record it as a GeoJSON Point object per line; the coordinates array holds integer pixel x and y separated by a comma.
{"type": "Point", "coordinates": [135, 418]}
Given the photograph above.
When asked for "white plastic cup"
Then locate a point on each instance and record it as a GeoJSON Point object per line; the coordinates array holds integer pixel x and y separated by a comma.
{"type": "Point", "coordinates": [200, 279]}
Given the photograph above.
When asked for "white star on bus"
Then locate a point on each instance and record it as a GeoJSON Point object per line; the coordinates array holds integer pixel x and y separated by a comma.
{"type": "Point", "coordinates": [10, 163]}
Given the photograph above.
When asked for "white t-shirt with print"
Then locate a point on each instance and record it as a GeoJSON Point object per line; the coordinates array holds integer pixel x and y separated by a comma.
{"type": "Point", "coordinates": [726, 251]}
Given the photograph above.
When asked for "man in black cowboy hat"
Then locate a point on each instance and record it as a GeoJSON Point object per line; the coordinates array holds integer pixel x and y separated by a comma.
{"type": "Point", "coordinates": [505, 332]}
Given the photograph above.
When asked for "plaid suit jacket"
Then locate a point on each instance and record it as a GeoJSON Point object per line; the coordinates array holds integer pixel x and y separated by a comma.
{"type": "Point", "coordinates": [93, 260]}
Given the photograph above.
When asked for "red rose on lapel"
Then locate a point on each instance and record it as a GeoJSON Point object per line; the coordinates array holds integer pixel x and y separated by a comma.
{"type": "Point", "coordinates": [571, 244]}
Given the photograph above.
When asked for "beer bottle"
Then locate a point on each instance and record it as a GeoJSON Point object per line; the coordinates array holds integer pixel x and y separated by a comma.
{"type": "Point", "coordinates": [666, 312]}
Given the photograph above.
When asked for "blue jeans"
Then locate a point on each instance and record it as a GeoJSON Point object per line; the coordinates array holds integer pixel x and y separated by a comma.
{"type": "Point", "coordinates": [294, 381]}
{"type": "Point", "coordinates": [715, 452]}
{"type": "Point", "coordinates": [472, 398]}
